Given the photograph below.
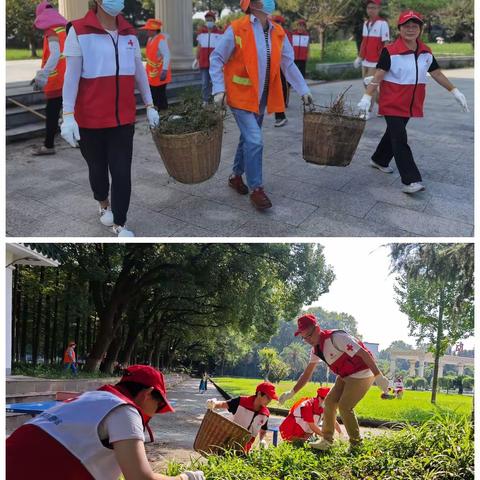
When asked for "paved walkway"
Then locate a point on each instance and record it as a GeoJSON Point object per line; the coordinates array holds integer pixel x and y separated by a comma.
{"type": "Point", "coordinates": [50, 196]}
{"type": "Point", "coordinates": [176, 432]}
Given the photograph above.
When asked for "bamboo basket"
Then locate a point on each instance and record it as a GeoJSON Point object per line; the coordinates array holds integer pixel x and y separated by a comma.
{"type": "Point", "coordinates": [191, 157]}
{"type": "Point", "coordinates": [330, 139]}
{"type": "Point", "coordinates": [217, 433]}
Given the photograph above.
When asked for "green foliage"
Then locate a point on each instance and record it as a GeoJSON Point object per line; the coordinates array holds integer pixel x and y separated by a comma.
{"type": "Point", "coordinates": [414, 407]}
{"type": "Point", "coordinates": [273, 368]}
{"type": "Point", "coordinates": [296, 356]}
{"type": "Point", "coordinates": [51, 371]}
{"type": "Point", "coordinates": [409, 382]}
{"type": "Point", "coordinates": [420, 383]}
{"type": "Point", "coordinates": [442, 448]}
{"type": "Point", "coordinates": [19, 15]}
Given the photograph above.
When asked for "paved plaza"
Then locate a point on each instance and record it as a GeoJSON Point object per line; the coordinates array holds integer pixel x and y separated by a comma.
{"type": "Point", "coordinates": [50, 196]}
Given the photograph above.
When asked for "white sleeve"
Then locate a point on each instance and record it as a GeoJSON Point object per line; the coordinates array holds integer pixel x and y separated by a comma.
{"type": "Point", "coordinates": [142, 82]}
{"type": "Point", "coordinates": [314, 358]}
{"type": "Point", "coordinates": [345, 343]}
{"type": "Point", "coordinates": [73, 73]}
{"type": "Point", "coordinates": [385, 32]}
{"type": "Point", "coordinates": [164, 52]}
{"type": "Point", "coordinates": [54, 57]}
{"type": "Point", "coordinates": [72, 46]}
{"type": "Point", "coordinates": [122, 423]}
{"type": "Point", "coordinates": [138, 51]}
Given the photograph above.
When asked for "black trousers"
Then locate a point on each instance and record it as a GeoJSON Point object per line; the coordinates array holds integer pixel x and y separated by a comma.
{"type": "Point", "coordinates": [285, 86]}
{"type": "Point", "coordinates": [159, 95]}
{"type": "Point", "coordinates": [302, 66]}
{"type": "Point", "coordinates": [394, 144]}
{"type": "Point", "coordinates": [52, 110]}
{"type": "Point", "coordinates": [110, 149]}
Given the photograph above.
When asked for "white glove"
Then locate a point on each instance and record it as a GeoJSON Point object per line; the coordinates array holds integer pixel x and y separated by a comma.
{"type": "Point", "coordinates": [263, 443]}
{"type": "Point", "coordinates": [195, 64]}
{"type": "Point", "coordinates": [152, 117]}
{"type": "Point", "coordinates": [368, 80]}
{"type": "Point", "coordinates": [382, 382]}
{"type": "Point", "coordinates": [307, 99]}
{"type": "Point", "coordinates": [69, 130]}
{"type": "Point", "coordinates": [357, 63]}
{"type": "Point", "coordinates": [364, 104]}
{"type": "Point", "coordinates": [197, 475]}
{"type": "Point", "coordinates": [286, 396]}
{"type": "Point", "coordinates": [40, 80]}
{"type": "Point", "coordinates": [460, 98]}
{"type": "Point", "coordinates": [211, 403]}
{"type": "Point", "coordinates": [219, 98]}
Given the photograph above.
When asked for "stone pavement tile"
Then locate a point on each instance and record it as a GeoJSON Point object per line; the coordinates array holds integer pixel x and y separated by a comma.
{"type": "Point", "coordinates": [329, 223]}
{"type": "Point", "coordinates": [357, 204]}
{"type": "Point", "coordinates": [418, 223]}
{"type": "Point", "coordinates": [215, 217]}
{"type": "Point", "coordinates": [156, 198]}
{"type": "Point", "coordinates": [387, 194]}
{"type": "Point", "coordinates": [451, 208]}
{"type": "Point", "coordinates": [259, 227]}
{"type": "Point", "coordinates": [193, 231]}
{"type": "Point", "coordinates": [447, 190]}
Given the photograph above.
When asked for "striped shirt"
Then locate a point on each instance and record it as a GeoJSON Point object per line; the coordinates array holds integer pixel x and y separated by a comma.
{"type": "Point", "coordinates": [266, 32]}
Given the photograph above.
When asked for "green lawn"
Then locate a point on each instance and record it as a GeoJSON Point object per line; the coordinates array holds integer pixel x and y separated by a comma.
{"type": "Point", "coordinates": [340, 51]}
{"type": "Point", "coordinates": [415, 405]}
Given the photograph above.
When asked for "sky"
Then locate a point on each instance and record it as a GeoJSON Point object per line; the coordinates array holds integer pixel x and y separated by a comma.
{"type": "Point", "coordinates": [364, 289]}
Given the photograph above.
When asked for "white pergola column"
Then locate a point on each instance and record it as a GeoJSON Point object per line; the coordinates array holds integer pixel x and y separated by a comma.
{"type": "Point", "coordinates": [440, 370]}
{"type": "Point", "coordinates": [411, 371]}
{"type": "Point", "coordinates": [8, 318]}
{"type": "Point", "coordinates": [176, 16]}
{"type": "Point", "coordinates": [460, 369]}
{"type": "Point", "coordinates": [393, 365]}
{"type": "Point", "coordinates": [421, 369]}
{"type": "Point", "coordinates": [73, 9]}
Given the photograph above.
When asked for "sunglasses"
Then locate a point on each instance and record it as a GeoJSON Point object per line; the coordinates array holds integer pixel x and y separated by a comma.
{"type": "Point", "coordinates": [305, 337]}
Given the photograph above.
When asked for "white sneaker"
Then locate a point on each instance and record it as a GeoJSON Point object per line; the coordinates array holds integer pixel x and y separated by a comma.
{"type": "Point", "coordinates": [122, 231]}
{"type": "Point", "coordinates": [413, 187]}
{"type": "Point", "coordinates": [382, 169]}
{"type": "Point", "coordinates": [106, 216]}
{"type": "Point", "coordinates": [281, 122]}
{"type": "Point", "coordinates": [321, 444]}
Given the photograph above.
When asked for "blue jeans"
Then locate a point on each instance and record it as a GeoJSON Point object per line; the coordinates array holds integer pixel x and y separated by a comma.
{"type": "Point", "coordinates": [71, 366]}
{"type": "Point", "coordinates": [206, 85]}
{"type": "Point", "coordinates": [249, 156]}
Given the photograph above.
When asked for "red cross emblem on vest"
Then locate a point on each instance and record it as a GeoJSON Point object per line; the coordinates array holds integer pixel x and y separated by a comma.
{"type": "Point", "coordinates": [130, 42]}
{"type": "Point", "coordinates": [349, 347]}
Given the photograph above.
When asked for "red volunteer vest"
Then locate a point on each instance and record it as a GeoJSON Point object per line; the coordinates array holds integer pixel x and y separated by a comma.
{"type": "Point", "coordinates": [293, 427]}
{"type": "Point", "coordinates": [53, 88]}
{"type": "Point", "coordinates": [372, 42]}
{"type": "Point", "coordinates": [47, 458]}
{"type": "Point", "coordinates": [300, 41]}
{"type": "Point", "coordinates": [344, 365]}
{"type": "Point", "coordinates": [106, 92]}
{"type": "Point", "coordinates": [154, 64]}
{"type": "Point", "coordinates": [402, 92]}
{"type": "Point", "coordinates": [207, 41]}
{"type": "Point", "coordinates": [66, 356]}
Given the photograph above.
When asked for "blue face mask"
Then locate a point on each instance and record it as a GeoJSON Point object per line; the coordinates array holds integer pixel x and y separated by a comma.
{"type": "Point", "coordinates": [112, 7]}
{"type": "Point", "coordinates": [210, 24]}
{"type": "Point", "coordinates": [268, 6]}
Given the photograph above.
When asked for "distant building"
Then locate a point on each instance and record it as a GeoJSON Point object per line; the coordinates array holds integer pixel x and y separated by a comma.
{"type": "Point", "coordinates": [373, 347]}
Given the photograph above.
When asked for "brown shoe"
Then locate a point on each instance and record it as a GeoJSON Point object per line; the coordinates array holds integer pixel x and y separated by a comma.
{"type": "Point", "coordinates": [43, 150]}
{"type": "Point", "coordinates": [259, 198]}
{"type": "Point", "coordinates": [236, 182]}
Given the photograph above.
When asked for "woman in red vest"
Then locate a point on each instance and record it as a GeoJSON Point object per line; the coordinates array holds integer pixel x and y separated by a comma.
{"type": "Point", "coordinates": [301, 45]}
{"type": "Point", "coordinates": [401, 75]}
{"type": "Point", "coordinates": [245, 70]}
{"type": "Point", "coordinates": [96, 436]}
{"type": "Point", "coordinates": [159, 71]}
{"type": "Point", "coordinates": [104, 63]}
{"type": "Point", "coordinates": [50, 77]}
{"type": "Point", "coordinates": [356, 370]}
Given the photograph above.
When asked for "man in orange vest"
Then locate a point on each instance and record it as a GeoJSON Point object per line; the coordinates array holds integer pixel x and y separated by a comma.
{"type": "Point", "coordinates": [159, 71]}
{"type": "Point", "coordinates": [245, 70]}
{"type": "Point", "coordinates": [50, 77]}
{"type": "Point", "coordinates": [70, 359]}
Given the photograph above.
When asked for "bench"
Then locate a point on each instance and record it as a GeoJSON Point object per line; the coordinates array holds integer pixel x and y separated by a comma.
{"type": "Point", "coordinates": [274, 430]}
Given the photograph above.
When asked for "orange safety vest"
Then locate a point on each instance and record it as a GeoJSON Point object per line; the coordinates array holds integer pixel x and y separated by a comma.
{"type": "Point", "coordinates": [66, 356]}
{"type": "Point", "coordinates": [54, 85]}
{"type": "Point", "coordinates": [241, 71]}
{"type": "Point", "coordinates": [154, 64]}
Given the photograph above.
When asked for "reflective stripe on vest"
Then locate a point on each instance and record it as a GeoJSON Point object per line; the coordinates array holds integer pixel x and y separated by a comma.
{"type": "Point", "coordinates": [154, 64]}
{"type": "Point", "coordinates": [57, 75]}
{"type": "Point", "coordinates": [241, 71]}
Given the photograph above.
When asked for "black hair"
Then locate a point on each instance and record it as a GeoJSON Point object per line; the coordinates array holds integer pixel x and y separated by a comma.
{"type": "Point", "coordinates": [134, 388]}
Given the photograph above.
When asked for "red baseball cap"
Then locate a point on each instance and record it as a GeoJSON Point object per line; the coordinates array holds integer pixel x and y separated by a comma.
{"type": "Point", "coordinates": [376, 2]}
{"type": "Point", "coordinates": [279, 19]}
{"type": "Point", "coordinates": [409, 15]}
{"type": "Point", "coordinates": [268, 389]}
{"type": "Point", "coordinates": [322, 392]}
{"type": "Point", "coordinates": [305, 322]}
{"type": "Point", "coordinates": [150, 377]}
{"type": "Point", "coordinates": [210, 14]}
{"type": "Point", "coordinates": [301, 21]}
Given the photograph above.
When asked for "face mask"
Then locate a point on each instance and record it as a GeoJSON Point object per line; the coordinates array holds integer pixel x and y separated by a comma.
{"type": "Point", "coordinates": [112, 7]}
{"type": "Point", "coordinates": [210, 24]}
{"type": "Point", "coordinates": [268, 6]}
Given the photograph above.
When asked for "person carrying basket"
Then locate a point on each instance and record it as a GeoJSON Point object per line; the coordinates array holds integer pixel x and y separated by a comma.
{"type": "Point", "coordinates": [245, 70]}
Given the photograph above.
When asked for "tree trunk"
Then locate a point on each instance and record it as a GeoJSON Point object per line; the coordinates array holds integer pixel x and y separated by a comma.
{"type": "Point", "coordinates": [47, 335]}
{"type": "Point", "coordinates": [112, 353]}
{"type": "Point", "coordinates": [54, 350]}
{"type": "Point", "coordinates": [16, 313]}
{"type": "Point", "coordinates": [32, 45]}
{"type": "Point", "coordinates": [23, 342]}
{"type": "Point", "coordinates": [437, 348]}
{"type": "Point", "coordinates": [321, 39]}
{"type": "Point", "coordinates": [38, 320]}
{"type": "Point", "coordinates": [66, 316]}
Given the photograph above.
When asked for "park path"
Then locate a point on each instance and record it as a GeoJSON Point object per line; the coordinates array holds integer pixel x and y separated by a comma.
{"type": "Point", "coordinates": [175, 432]}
